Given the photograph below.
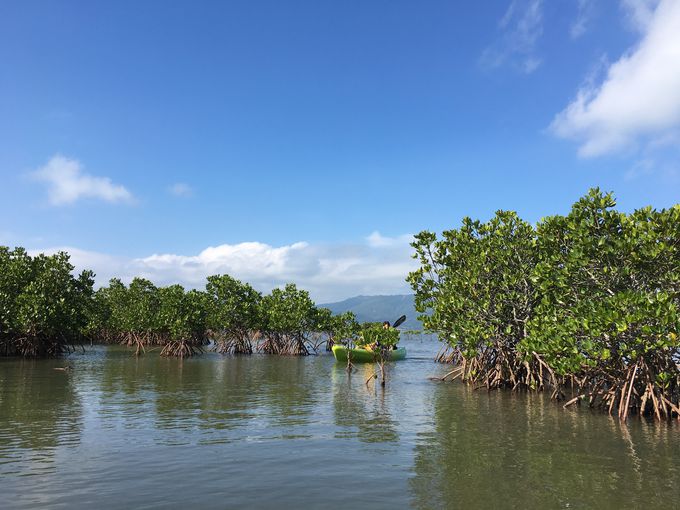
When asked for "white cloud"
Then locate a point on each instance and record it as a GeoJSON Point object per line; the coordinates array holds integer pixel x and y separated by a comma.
{"type": "Point", "coordinates": [377, 240]}
{"type": "Point", "coordinates": [522, 26]}
{"type": "Point", "coordinates": [329, 272]}
{"type": "Point", "coordinates": [669, 139]}
{"type": "Point", "coordinates": [640, 13]}
{"type": "Point", "coordinates": [583, 16]}
{"type": "Point", "coordinates": [181, 189]}
{"type": "Point", "coordinates": [639, 98]}
{"type": "Point", "coordinates": [67, 183]}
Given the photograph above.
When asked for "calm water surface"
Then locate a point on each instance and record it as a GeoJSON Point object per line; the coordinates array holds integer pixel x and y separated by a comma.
{"type": "Point", "coordinates": [282, 432]}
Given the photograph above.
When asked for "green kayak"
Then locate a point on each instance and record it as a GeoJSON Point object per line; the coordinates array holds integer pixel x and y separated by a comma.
{"type": "Point", "coordinates": [363, 355]}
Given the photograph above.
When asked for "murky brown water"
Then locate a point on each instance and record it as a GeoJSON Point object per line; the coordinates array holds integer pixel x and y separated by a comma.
{"type": "Point", "coordinates": [273, 432]}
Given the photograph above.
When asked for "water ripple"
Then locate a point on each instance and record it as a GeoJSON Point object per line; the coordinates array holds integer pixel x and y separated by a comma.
{"type": "Point", "coordinates": [115, 431]}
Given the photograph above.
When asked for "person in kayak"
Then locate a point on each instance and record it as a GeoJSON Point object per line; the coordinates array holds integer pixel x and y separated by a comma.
{"type": "Point", "coordinates": [386, 325]}
{"type": "Point", "coordinates": [376, 345]}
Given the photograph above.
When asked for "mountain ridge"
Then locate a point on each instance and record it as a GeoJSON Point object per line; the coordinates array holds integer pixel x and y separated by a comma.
{"type": "Point", "coordinates": [378, 308]}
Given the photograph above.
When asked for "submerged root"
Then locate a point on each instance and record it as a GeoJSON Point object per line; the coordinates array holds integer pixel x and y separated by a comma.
{"type": "Point", "coordinates": [181, 349]}
{"type": "Point", "coordinates": [633, 388]}
{"type": "Point", "coordinates": [456, 373]}
{"type": "Point", "coordinates": [287, 345]}
{"type": "Point", "coordinates": [270, 345]}
{"type": "Point", "coordinates": [240, 344]}
{"type": "Point", "coordinates": [496, 367]}
{"type": "Point", "coordinates": [36, 346]}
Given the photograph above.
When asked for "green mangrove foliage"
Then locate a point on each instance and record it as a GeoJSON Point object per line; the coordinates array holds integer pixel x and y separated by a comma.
{"type": "Point", "coordinates": [609, 289]}
{"type": "Point", "coordinates": [142, 315]}
{"type": "Point", "coordinates": [586, 302]}
{"type": "Point", "coordinates": [43, 306]}
{"type": "Point", "coordinates": [338, 329]}
{"type": "Point", "coordinates": [376, 337]}
{"type": "Point", "coordinates": [184, 316]}
{"type": "Point", "coordinates": [287, 316]}
{"type": "Point", "coordinates": [45, 310]}
{"type": "Point", "coordinates": [477, 282]}
{"type": "Point", "coordinates": [234, 314]}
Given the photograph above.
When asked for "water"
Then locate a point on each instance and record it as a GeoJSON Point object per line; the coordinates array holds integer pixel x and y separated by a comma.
{"type": "Point", "coordinates": [283, 432]}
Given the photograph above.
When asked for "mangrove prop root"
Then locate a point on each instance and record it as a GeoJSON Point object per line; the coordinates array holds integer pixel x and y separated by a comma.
{"type": "Point", "coordinates": [37, 345]}
{"type": "Point", "coordinates": [632, 388]}
{"type": "Point", "coordinates": [296, 344]}
{"type": "Point", "coordinates": [181, 349]}
{"type": "Point", "coordinates": [233, 343]}
{"type": "Point", "coordinates": [624, 412]}
{"type": "Point", "coordinates": [449, 374]}
{"type": "Point", "coordinates": [573, 401]}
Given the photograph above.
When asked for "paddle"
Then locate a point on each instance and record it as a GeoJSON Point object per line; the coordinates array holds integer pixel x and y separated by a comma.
{"type": "Point", "coordinates": [399, 321]}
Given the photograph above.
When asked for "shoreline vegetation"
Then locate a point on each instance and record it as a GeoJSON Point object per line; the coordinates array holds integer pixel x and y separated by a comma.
{"type": "Point", "coordinates": [47, 311]}
{"type": "Point", "coordinates": [585, 306]}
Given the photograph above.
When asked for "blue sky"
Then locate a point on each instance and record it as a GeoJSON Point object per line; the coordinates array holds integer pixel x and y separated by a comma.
{"type": "Point", "coordinates": [306, 141]}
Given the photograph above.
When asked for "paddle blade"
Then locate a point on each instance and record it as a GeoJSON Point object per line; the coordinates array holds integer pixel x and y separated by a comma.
{"type": "Point", "coordinates": [399, 321]}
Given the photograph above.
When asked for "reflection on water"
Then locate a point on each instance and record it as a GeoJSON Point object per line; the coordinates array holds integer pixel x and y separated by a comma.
{"type": "Point", "coordinates": [362, 410]}
{"type": "Point", "coordinates": [521, 451]}
{"type": "Point", "coordinates": [39, 411]}
{"type": "Point", "coordinates": [186, 399]}
{"type": "Point", "coordinates": [256, 431]}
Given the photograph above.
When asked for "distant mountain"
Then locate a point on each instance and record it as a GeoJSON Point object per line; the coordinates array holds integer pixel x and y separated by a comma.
{"type": "Point", "coordinates": [379, 308]}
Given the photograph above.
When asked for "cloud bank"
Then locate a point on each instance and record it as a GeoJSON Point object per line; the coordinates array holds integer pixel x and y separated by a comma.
{"type": "Point", "coordinates": [638, 100]}
{"type": "Point", "coordinates": [378, 265]}
{"type": "Point", "coordinates": [67, 183]}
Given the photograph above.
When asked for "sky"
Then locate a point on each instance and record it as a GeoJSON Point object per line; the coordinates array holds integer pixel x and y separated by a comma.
{"type": "Point", "coordinates": [307, 141]}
